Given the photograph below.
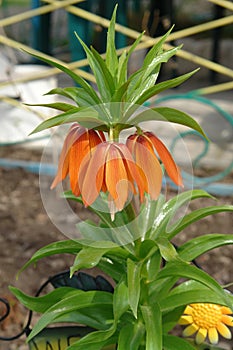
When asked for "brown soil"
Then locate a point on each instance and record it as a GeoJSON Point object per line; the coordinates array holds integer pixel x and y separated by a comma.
{"type": "Point", "coordinates": [25, 227]}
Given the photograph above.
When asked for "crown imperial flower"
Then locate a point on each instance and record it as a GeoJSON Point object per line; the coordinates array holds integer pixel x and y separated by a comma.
{"type": "Point", "coordinates": [207, 319]}
{"type": "Point", "coordinates": [114, 170]}
{"type": "Point", "coordinates": [78, 145]}
{"type": "Point", "coordinates": [143, 147]}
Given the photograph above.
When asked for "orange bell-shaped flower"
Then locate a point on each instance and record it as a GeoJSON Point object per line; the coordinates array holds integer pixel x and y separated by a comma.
{"type": "Point", "coordinates": [111, 168]}
{"type": "Point", "coordinates": [143, 146]}
{"type": "Point", "coordinates": [77, 148]}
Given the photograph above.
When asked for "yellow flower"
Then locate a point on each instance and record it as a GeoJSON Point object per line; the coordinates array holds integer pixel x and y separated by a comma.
{"type": "Point", "coordinates": [207, 319]}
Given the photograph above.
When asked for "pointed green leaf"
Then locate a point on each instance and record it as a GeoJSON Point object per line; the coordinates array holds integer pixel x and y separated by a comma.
{"type": "Point", "coordinates": [87, 258]}
{"type": "Point", "coordinates": [99, 340]}
{"type": "Point", "coordinates": [145, 78]}
{"type": "Point", "coordinates": [95, 343]}
{"type": "Point", "coordinates": [195, 216]}
{"type": "Point", "coordinates": [159, 288]}
{"type": "Point", "coordinates": [87, 117]}
{"type": "Point", "coordinates": [43, 303]}
{"type": "Point", "coordinates": [172, 342]}
{"type": "Point", "coordinates": [165, 85]}
{"type": "Point", "coordinates": [170, 208]}
{"type": "Point", "coordinates": [200, 245]}
{"type": "Point", "coordinates": [100, 71]}
{"type": "Point", "coordinates": [120, 93]}
{"type": "Point", "coordinates": [80, 81]}
{"type": "Point", "coordinates": [167, 114]}
{"type": "Point", "coordinates": [113, 267]}
{"type": "Point", "coordinates": [148, 212]}
{"type": "Point", "coordinates": [61, 106]}
{"type": "Point", "coordinates": [134, 280]}
{"type": "Point", "coordinates": [61, 247]}
{"type": "Point", "coordinates": [167, 249]}
{"type": "Point", "coordinates": [71, 303]}
{"type": "Point", "coordinates": [157, 59]}
{"type": "Point", "coordinates": [130, 336]}
{"type": "Point", "coordinates": [122, 69]}
{"type": "Point", "coordinates": [153, 266]}
{"type": "Point", "coordinates": [77, 94]}
{"type": "Point", "coordinates": [153, 323]}
{"type": "Point", "coordinates": [189, 297]}
{"type": "Point", "coordinates": [120, 300]}
{"type": "Point", "coordinates": [182, 269]}
{"type": "Point", "coordinates": [124, 59]}
{"type": "Point", "coordinates": [95, 317]}
{"type": "Point", "coordinates": [106, 73]}
{"type": "Point", "coordinates": [111, 55]}
{"type": "Point", "coordinates": [90, 231]}
{"type": "Point", "coordinates": [156, 49]}
{"type": "Point", "coordinates": [96, 340]}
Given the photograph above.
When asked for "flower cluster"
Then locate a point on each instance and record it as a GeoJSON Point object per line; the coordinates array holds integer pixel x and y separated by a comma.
{"type": "Point", "coordinates": [96, 165]}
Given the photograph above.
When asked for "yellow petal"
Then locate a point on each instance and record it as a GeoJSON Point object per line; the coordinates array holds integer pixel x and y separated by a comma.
{"type": "Point", "coordinates": [201, 335]}
{"type": "Point", "coordinates": [190, 330]}
{"type": "Point", "coordinates": [213, 336]}
{"type": "Point", "coordinates": [224, 331]}
{"type": "Point", "coordinates": [226, 310]}
{"type": "Point", "coordinates": [228, 320]}
{"type": "Point", "coordinates": [185, 319]}
{"type": "Point", "coordinates": [188, 310]}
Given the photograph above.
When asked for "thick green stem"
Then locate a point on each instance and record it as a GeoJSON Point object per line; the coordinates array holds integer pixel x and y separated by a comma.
{"type": "Point", "coordinates": [114, 132]}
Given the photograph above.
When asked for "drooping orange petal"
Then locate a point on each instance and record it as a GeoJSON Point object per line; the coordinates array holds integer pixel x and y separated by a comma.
{"type": "Point", "coordinates": [63, 169]}
{"type": "Point", "coordinates": [134, 172]}
{"type": "Point", "coordinates": [127, 165]}
{"type": "Point", "coordinates": [116, 177]}
{"type": "Point", "coordinates": [63, 164]}
{"type": "Point", "coordinates": [130, 142]}
{"type": "Point", "coordinates": [79, 151]}
{"type": "Point", "coordinates": [142, 139]}
{"type": "Point", "coordinates": [150, 166]}
{"type": "Point", "coordinates": [91, 177]}
{"type": "Point", "coordinates": [95, 138]}
{"type": "Point", "coordinates": [167, 159]}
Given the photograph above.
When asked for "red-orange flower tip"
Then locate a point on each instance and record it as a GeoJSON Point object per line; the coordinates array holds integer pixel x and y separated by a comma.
{"type": "Point", "coordinates": [207, 320]}
{"type": "Point", "coordinates": [153, 143]}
